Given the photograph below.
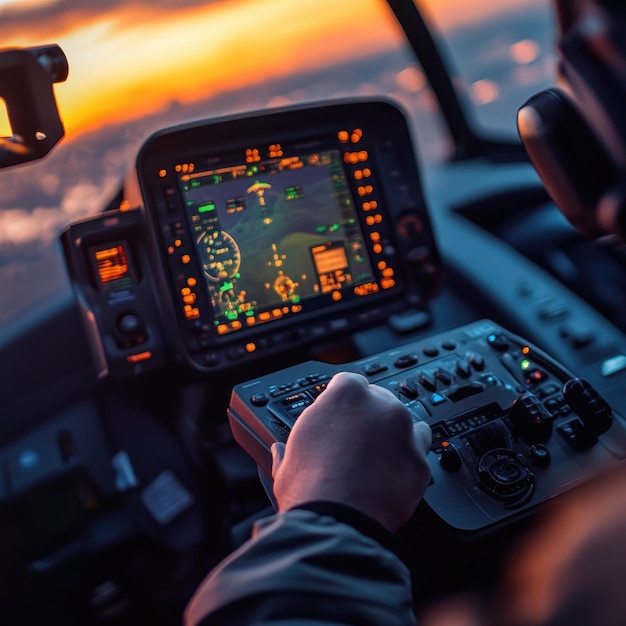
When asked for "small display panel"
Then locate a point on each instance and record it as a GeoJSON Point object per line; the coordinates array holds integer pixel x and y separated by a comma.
{"type": "Point", "coordinates": [112, 266]}
{"type": "Point", "coordinates": [276, 236]}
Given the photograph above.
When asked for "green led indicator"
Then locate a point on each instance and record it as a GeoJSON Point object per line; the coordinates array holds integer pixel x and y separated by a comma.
{"type": "Point", "coordinates": [207, 208]}
{"type": "Point", "coordinates": [335, 227]}
{"type": "Point", "coordinates": [195, 183]}
{"type": "Point", "coordinates": [321, 229]}
{"type": "Point", "coordinates": [249, 313]}
{"type": "Point", "coordinates": [525, 364]}
{"type": "Point", "coordinates": [226, 287]}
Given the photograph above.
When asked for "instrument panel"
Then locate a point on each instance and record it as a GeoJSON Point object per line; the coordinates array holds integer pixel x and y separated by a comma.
{"type": "Point", "coordinates": [260, 232]}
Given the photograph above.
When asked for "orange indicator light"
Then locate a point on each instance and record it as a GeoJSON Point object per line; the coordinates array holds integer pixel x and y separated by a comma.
{"type": "Point", "coordinates": [162, 173]}
{"type": "Point", "coordinates": [186, 259]}
{"type": "Point", "coordinates": [377, 248]}
{"type": "Point", "coordinates": [137, 358]}
{"type": "Point", "coordinates": [343, 136]}
{"type": "Point", "coordinates": [250, 347]}
{"type": "Point", "coordinates": [222, 329]}
{"type": "Point", "coordinates": [357, 133]}
{"type": "Point", "coordinates": [337, 295]}
{"type": "Point", "coordinates": [192, 282]}
{"type": "Point", "coordinates": [525, 350]}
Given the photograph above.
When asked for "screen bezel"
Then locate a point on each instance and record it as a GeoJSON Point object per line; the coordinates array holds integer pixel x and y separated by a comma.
{"type": "Point", "coordinates": [406, 230]}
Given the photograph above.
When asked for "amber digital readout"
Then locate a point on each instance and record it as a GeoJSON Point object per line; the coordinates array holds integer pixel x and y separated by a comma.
{"type": "Point", "coordinates": [112, 266]}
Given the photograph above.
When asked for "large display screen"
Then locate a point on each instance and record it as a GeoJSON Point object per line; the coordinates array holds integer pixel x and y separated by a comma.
{"type": "Point", "coordinates": [275, 235]}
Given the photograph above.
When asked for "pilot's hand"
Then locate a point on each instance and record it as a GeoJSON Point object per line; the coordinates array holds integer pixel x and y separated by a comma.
{"type": "Point", "coordinates": [357, 445]}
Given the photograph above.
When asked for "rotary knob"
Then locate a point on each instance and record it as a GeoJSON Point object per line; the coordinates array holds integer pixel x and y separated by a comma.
{"type": "Point", "coordinates": [450, 458]}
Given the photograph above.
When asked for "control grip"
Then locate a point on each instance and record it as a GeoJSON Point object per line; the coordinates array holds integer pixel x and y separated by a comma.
{"type": "Point", "coordinates": [511, 427]}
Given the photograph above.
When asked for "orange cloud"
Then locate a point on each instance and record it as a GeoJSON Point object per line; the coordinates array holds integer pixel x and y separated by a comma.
{"type": "Point", "coordinates": [130, 59]}
{"type": "Point", "coordinates": [127, 64]}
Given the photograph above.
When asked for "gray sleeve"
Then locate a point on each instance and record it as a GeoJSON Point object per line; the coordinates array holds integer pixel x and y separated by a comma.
{"type": "Point", "coordinates": [301, 568]}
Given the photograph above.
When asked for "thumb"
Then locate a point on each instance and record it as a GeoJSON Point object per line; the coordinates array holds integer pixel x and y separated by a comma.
{"type": "Point", "coordinates": [278, 454]}
{"type": "Point", "coordinates": [423, 436]}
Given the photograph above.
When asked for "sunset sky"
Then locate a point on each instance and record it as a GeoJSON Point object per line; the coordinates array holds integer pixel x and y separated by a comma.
{"type": "Point", "coordinates": [140, 65]}
{"type": "Point", "coordinates": [128, 59]}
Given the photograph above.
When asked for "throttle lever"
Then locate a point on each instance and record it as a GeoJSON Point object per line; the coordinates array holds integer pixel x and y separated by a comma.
{"type": "Point", "coordinates": [531, 419]}
{"type": "Point", "coordinates": [593, 409]}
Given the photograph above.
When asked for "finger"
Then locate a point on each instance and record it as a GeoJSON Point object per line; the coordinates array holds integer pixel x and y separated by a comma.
{"type": "Point", "coordinates": [423, 436]}
{"type": "Point", "coordinates": [278, 455]}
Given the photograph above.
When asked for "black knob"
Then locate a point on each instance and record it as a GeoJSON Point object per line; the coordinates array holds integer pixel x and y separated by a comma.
{"type": "Point", "coordinates": [531, 419]}
{"type": "Point", "coordinates": [450, 458]}
{"type": "Point", "coordinates": [540, 455]}
{"type": "Point", "coordinates": [593, 410]}
{"type": "Point", "coordinates": [130, 331]}
{"type": "Point", "coordinates": [130, 325]}
{"type": "Point", "coordinates": [259, 399]}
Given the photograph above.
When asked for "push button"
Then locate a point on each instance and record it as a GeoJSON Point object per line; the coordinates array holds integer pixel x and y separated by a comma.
{"type": "Point", "coordinates": [428, 381]}
{"type": "Point", "coordinates": [406, 360]}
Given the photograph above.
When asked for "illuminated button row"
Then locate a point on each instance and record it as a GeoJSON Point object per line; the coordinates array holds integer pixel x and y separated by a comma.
{"type": "Point", "coordinates": [189, 298]}
{"type": "Point", "coordinates": [354, 158]}
{"type": "Point", "coordinates": [372, 220]}
{"type": "Point", "coordinates": [346, 136]}
{"type": "Point", "coordinates": [265, 316]}
{"type": "Point", "coordinates": [370, 205]}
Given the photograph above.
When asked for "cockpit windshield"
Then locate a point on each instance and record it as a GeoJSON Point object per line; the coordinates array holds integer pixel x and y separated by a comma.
{"type": "Point", "coordinates": [500, 53]}
{"type": "Point", "coordinates": [141, 66]}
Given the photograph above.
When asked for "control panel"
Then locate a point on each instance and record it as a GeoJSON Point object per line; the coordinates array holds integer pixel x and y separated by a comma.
{"type": "Point", "coordinates": [511, 427]}
{"type": "Point", "coordinates": [109, 265]}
